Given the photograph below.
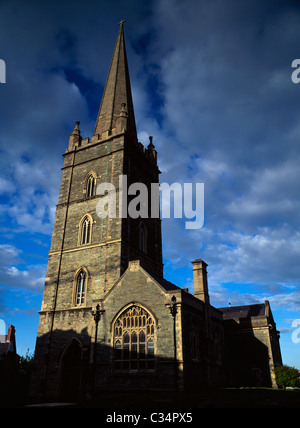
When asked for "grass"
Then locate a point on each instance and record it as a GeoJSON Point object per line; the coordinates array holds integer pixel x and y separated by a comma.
{"type": "Point", "coordinates": [221, 398]}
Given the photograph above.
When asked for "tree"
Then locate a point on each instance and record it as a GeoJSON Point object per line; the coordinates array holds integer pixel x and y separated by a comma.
{"type": "Point", "coordinates": [25, 366]}
{"type": "Point", "coordinates": [26, 362]}
{"type": "Point", "coordinates": [287, 376]}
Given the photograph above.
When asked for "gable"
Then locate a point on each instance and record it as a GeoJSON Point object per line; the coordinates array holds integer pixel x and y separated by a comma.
{"type": "Point", "coordinates": [135, 277]}
{"type": "Point", "coordinates": [136, 286]}
{"type": "Point", "coordinates": [137, 281]}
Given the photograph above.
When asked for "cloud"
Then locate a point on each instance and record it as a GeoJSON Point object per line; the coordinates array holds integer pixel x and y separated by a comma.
{"type": "Point", "coordinates": [211, 82]}
{"type": "Point", "coordinates": [271, 195]}
{"type": "Point", "coordinates": [14, 272]}
{"type": "Point", "coordinates": [31, 190]}
{"type": "Point", "coordinates": [227, 86]}
{"type": "Point", "coordinates": [230, 119]}
{"type": "Point", "coordinates": [266, 263]}
{"type": "Point", "coordinates": [54, 77]}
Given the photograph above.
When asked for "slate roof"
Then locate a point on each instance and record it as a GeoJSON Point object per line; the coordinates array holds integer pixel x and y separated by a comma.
{"type": "Point", "coordinates": [4, 348]}
{"type": "Point", "coordinates": [167, 285]}
{"type": "Point", "coordinates": [244, 311]}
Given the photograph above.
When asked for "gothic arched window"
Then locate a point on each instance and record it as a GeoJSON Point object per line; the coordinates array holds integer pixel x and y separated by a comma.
{"type": "Point", "coordinates": [80, 288]}
{"type": "Point", "coordinates": [85, 231]}
{"type": "Point", "coordinates": [90, 186]}
{"type": "Point", "coordinates": [142, 238]}
{"type": "Point", "coordinates": [134, 341]}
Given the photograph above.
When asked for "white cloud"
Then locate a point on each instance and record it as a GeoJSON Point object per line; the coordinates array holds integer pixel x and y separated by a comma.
{"type": "Point", "coordinates": [12, 274]}
{"type": "Point", "coordinates": [8, 253]}
{"type": "Point", "coordinates": [265, 262]}
{"type": "Point", "coordinates": [6, 186]}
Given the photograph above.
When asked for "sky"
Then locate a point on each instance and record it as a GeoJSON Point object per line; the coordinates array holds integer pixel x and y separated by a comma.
{"type": "Point", "coordinates": [211, 82]}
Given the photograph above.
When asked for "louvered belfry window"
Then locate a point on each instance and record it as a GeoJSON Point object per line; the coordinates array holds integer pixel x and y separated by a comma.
{"type": "Point", "coordinates": [90, 188]}
{"type": "Point", "coordinates": [85, 231]}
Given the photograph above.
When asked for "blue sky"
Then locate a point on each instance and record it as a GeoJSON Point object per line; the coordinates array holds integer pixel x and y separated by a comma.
{"type": "Point", "coordinates": [211, 81]}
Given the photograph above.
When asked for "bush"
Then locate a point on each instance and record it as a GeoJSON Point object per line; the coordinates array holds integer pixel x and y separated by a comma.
{"type": "Point", "coordinates": [287, 376]}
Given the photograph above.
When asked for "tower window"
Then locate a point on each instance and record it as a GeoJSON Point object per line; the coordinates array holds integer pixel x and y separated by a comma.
{"type": "Point", "coordinates": [142, 238]}
{"type": "Point", "coordinates": [85, 231]}
{"type": "Point", "coordinates": [80, 288]}
{"type": "Point", "coordinates": [134, 338]}
{"type": "Point", "coordinates": [90, 186]}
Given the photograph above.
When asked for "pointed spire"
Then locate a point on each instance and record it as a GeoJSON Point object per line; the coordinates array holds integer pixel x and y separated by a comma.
{"type": "Point", "coordinates": [117, 92]}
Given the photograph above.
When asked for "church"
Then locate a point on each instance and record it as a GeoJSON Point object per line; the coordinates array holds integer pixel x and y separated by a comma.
{"type": "Point", "coordinates": [109, 319]}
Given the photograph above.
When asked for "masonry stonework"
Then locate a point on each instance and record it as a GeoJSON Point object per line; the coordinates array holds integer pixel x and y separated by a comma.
{"type": "Point", "coordinates": [109, 319]}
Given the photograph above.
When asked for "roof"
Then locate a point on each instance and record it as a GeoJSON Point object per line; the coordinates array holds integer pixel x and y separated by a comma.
{"type": "Point", "coordinates": [4, 348]}
{"type": "Point", "coordinates": [167, 285]}
{"type": "Point", "coordinates": [245, 311]}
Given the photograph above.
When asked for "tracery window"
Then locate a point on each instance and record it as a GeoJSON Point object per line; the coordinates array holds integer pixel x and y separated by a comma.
{"type": "Point", "coordinates": [80, 288]}
{"type": "Point", "coordinates": [134, 341]}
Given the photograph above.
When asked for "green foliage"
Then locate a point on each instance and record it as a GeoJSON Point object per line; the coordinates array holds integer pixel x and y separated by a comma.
{"type": "Point", "coordinates": [287, 376]}
{"type": "Point", "coordinates": [26, 363]}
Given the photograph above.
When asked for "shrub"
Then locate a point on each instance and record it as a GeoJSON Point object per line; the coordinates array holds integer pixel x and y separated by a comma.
{"type": "Point", "coordinates": [287, 376]}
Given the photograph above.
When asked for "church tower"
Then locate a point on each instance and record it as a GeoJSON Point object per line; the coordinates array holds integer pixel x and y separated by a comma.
{"type": "Point", "coordinates": [89, 253]}
{"type": "Point", "coordinates": [84, 245]}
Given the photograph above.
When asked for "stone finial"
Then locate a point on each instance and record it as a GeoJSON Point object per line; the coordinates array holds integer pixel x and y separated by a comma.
{"type": "Point", "coordinates": [151, 150]}
{"type": "Point", "coordinates": [134, 264]}
{"type": "Point", "coordinates": [76, 130]}
{"type": "Point", "coordinates": [151, 145]}
{"type": "Point", "coordinates": [75, 138]}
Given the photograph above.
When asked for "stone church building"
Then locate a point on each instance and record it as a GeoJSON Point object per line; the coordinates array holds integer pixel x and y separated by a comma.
{"type": "Point", "coordinates": [109, 320]}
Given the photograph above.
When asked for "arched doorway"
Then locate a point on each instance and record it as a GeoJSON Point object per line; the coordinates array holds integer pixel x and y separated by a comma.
{"type": "Point", "coordinates": [70, 372]}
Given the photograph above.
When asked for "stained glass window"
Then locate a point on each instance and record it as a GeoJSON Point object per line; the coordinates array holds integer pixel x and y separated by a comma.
{"type": "Point", "coordinates": [134, 341]}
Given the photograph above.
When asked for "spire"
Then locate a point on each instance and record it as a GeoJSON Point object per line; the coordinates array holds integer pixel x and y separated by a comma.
{"type": "Point", "coordinates": [117, 98]}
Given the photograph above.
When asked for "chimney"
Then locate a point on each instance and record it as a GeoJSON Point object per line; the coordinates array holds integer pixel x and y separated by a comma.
{"type": "Point", "coordinates": [11, 338]}
{"type": "Point", "coordinates": [200, 280]}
